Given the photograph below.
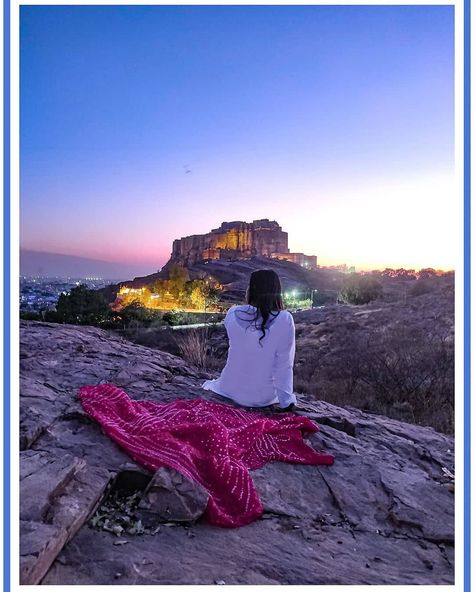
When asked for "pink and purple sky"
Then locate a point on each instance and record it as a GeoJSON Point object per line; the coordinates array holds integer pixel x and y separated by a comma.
{"type": "Point", "coordinates": [141, 124]}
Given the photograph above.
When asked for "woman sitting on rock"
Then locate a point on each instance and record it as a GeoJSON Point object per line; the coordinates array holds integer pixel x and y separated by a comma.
{"type": "Point", "coordinates": [259, 367]}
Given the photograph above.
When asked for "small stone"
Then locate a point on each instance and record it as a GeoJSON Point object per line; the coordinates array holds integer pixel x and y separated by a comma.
{"type": "Point", "coordinates": [219, 582]}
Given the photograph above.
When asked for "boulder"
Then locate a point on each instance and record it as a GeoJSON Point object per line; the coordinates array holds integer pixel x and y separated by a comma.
{"type": "Point", "coordinates": [171, 497]}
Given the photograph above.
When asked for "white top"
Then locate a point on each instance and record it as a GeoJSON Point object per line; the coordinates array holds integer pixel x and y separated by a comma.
{"type": "Point", "coordinates": [256, 373]}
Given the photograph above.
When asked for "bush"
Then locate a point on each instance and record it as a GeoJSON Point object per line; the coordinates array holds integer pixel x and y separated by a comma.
{"type": "Point", "coordinates": [359, 289]}
{"type": "Point", "coordinates": [403, 372]}
{"type": "Point", "coordinates": [421, 287]}
{"type": "Point", "coordinates": [193, 346]}
{"type": "Point", "coordinates": [322, 298]}
{"type": "Point", "coordinates": [174, 317]}
{"type": "Point", "coordinates": [30, 315]}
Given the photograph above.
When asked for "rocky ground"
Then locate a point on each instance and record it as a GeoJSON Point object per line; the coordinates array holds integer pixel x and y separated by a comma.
{"type": "Point", "coordinates": [382, 514]}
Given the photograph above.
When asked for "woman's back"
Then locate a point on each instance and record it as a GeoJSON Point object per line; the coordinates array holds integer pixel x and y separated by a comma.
{"type": "Point", "coordinates": [259, 370]}
{"type": "Point", "coordinates": [243, 327]}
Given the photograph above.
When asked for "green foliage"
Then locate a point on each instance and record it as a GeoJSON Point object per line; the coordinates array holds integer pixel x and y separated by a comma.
{"type": "Point", "coordinates": [174, 317]}
{"type": "Point", "coordinates": [30, 315]}
{"type": "Point", "coordinates": [320, 298]}
{"type": "Point", "coordinates": [136, 314]}
{"type": "Point", "coordinates": [359, 289]}
{"type": "Point", "coordinates": [82, 306]}
{"type": "Point", "coordinates": [294, 303]}
{"type": "Point", "coordinates": [179, 290]}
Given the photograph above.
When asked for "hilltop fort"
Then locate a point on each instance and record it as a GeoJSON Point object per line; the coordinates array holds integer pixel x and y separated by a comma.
{"type": "Point", "coordinates": [238, 240]}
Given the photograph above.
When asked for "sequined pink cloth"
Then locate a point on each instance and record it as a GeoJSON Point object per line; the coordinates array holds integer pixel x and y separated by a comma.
{"type": "Point", "coordinates": [211, 443]}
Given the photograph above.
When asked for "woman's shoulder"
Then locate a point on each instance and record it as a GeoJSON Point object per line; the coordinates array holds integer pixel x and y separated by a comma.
{"type": "Point", "coordinates": [236, 307]}
{"type": "Point", "coordinates": [282, 315]}
{"type": "Point", "coordinates": [286, 314]}
{"type": "Point", "coordinates": [248, 307]}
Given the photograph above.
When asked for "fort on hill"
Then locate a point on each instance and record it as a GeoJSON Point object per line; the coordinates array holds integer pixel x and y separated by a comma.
{"type": "Point", "coordinates": [238, 240]}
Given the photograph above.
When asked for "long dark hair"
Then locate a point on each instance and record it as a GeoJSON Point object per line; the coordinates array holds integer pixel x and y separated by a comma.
{"type": "Point", "coordinates": [264, 292]}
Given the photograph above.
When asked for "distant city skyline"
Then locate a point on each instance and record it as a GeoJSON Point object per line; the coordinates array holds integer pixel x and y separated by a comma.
{"type": "Point", "coordinates": [142, 124]}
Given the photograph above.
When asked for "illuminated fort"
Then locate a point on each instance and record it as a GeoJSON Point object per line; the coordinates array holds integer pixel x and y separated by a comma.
{"type": "Point", "coordinates": [238, 240]}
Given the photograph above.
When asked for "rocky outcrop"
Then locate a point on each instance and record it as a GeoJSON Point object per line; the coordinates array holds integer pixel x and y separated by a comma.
{"type": "Point", "coordinates": [382, 514]}
{"type": "Point", "coordinates": [234, 276]}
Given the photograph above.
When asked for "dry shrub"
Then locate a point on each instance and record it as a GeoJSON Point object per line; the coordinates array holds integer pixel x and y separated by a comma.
{"type": "Point", "coordinates": [404, 373]}
{"type": "Point", "coordinates": [421, 287]}
{"type": "Point", "coordinates": [197, 348]}
{"type": "Point", "coordinates": [193, 346]}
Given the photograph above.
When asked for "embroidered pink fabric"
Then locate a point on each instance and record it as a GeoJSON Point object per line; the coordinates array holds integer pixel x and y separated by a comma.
{"type": "Point", "coordinates": [211, 443]}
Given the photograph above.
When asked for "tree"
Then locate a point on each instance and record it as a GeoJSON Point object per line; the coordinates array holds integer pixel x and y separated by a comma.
{"type": "Point", "coordinates": [359, 289]}
{"type": "Point", "coordinates": [178, 277]}
{"type": "Point", "coordinates": [135, 313]}
{"type": "Point", "coordinates": [407, 274]}
{"type": "Point", "coordinates": [427, 273]}
{"type": "Point", "coordinates": [82, 306]}
{"type": "Point", "coordinates": [197, 298]}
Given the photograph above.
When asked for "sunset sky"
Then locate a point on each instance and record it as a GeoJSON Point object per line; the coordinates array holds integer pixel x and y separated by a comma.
{"type": "Point", "coordinates": [144, 124]}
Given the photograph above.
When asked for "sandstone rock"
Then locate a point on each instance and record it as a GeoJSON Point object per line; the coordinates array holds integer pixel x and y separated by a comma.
{"type": "Point", "coordinates": [39, 407]}
{"type": "Point", "coordinates": [39, 545]}
{"type": "Point", "coordinates": [382, 514]}
{"type": "Point", "coordinates": [42, 479]}
{"type": "Point", "coordinates": [56, 498]}
{"type": "Point", "coordinates": [172, 497]}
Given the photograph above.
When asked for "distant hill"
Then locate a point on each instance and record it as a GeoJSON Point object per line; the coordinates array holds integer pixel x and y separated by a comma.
{"type": "Point", "coordinates": [234, 275]}
{"type": "Point", "coordinates": [39, 263]}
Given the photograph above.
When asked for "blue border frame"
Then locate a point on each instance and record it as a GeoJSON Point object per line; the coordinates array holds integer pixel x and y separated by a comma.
{"type": "Point", "coordinates": [467, 295]}
{"type": "Point", "coordinates": [7, 304]}
{"type": "Point", "coordinates": [6, 295]}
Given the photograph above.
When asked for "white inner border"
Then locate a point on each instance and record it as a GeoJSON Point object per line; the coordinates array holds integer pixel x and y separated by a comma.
{"type": "Point", "coordinates": [458, 201]}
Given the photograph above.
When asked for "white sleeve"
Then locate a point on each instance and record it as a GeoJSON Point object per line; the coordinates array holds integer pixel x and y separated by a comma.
{"type": "Point", "coordinates": [229, 312]}
{"type": "Point", "coordinates": [284, 360]}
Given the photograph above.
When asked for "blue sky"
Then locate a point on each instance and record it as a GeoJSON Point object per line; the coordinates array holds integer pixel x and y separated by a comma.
{"type": "Point", "coordinates": [337, 121]}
